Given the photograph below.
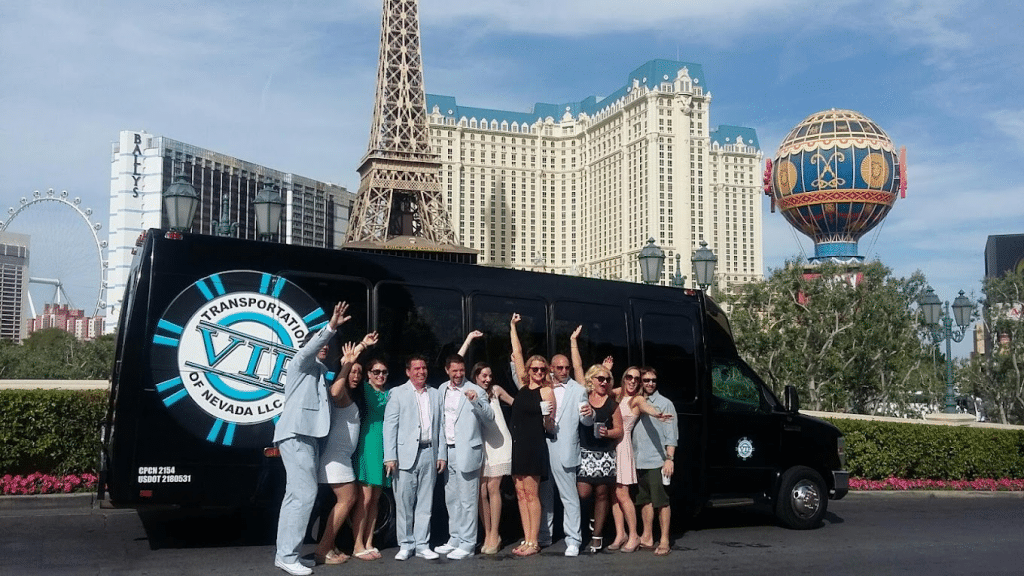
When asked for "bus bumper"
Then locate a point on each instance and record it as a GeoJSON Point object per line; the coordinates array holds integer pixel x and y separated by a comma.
{"type": "Point", "coordinates": [841, 480]}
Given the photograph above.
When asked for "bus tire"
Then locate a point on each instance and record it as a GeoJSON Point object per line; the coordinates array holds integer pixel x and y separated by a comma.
{"type": "Point", "coordinates": [802, 499]}
{"type": "Point", "coordinates": [384, 534]}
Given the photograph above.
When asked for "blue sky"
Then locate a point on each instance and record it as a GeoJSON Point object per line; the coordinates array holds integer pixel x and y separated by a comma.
{"type": "Point", "coordinates": [290, 85]}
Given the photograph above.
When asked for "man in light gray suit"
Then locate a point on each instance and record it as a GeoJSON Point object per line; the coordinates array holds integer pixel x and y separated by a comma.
{"type": "Point", "coordinates": [564, 455]}
{"type": "Point", "coordinates": [305, 418]}
{"type": "Point", "coordinates": [412, 445]}
{"type": "Point", "coordinates": [465, 409]}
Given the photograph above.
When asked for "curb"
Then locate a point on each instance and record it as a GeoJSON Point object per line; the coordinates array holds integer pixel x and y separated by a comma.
{"type": "Point", "coordinates": [48, 501]}
{"type": "Point", "coordinates": [936, 493]}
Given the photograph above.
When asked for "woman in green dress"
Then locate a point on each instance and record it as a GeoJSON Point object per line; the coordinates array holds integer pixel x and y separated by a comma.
{"type": "Point", "coordinates": [369, 460]}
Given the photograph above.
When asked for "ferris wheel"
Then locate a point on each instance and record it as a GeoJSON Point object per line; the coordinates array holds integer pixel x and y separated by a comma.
{"type": "Point", "coordinates": [66, 256]}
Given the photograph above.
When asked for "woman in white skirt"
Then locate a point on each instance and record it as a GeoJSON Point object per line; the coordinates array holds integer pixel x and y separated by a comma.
{"type": "Point", "coordinates": [336, 453]}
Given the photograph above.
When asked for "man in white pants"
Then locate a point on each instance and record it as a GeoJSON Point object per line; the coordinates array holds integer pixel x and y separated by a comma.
{"type": "Point", "coordinates": [305, 419]}
{"type": "Point", "coordinates": [465, 409]}
{"type": "Point", "coordinates": [564, 457]}
{"type": "Point", "coordinates": [414, 457]}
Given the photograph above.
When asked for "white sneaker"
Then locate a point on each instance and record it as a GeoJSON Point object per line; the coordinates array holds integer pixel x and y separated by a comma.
{"type": "Point", "coordinates": [572, 550]}
{"type": "Point", "coordinates": [293, 568]}
{"type": "Point", "coordinates": [459, 554]}
{"type": "Point", "coordinates": [307, 562]}
{"type": "Point", "coordinates": [444, 549]}
{"type": "Point", "coordinates": [403, 555]}
{"type": "Point", "coordinates": [427, 554]}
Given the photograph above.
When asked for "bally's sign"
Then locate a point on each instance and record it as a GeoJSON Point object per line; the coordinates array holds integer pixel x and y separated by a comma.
{"type": "Point", "coordinates": [220, 354]}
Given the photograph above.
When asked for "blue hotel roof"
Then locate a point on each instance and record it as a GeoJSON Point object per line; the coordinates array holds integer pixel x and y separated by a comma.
{"type": "Point", "coordinates": [650, 74]}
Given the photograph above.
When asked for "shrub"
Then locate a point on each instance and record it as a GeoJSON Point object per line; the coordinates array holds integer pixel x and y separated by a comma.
{"type": "Point", "coordinates": [52, 431]}
{"type": "Point", "coordinates": [881, 450]}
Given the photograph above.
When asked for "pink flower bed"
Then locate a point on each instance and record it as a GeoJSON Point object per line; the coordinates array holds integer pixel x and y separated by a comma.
{"type": "Point", "coordinates": [981, 484]}
{"type": "Point", "coordinates": [38, 483]}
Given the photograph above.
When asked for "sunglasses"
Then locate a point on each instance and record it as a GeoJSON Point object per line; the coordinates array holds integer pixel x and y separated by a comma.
{"type": "Point", "coordinates": [537, 369]}
{"type": "Point", "coordinates": [602, 379]}
{"type": "Point", "coordinates": [630, 377]}
{"type": "Point", "coordinates": [650, 380]}
{"type": "Point", "coordinates": [379, 372]}
{"type": "Point", "coordinates": [560, 367]}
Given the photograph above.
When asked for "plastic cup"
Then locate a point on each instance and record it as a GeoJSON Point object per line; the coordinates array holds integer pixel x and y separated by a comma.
{"type": "Point", "coordinates": [597, 429]}
{"type": "Point", "coordinates": [666, 479]}
{"type": "Point", "coordinates": [545, 407]}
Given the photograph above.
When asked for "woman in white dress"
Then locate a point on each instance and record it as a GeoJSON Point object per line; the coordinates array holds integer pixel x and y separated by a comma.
{"type": "Point", "coordinates": [336, 453]}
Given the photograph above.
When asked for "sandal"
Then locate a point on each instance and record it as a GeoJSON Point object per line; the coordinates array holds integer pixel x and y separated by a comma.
{"type": "Point", "coordinates": [366, 554]}
{"type": "Point", "coordinates": [615, 545]}
{"type": "Point", "coordinates": [600, 544]}
{"type": "Point", "coordinates": [662, 550]}
{"type": "Point", "coordinates": [333, 557]}
{"type": "Point", "coordinates": [526, 549]}
{"type": "Point", "coordinates": [627, 548]}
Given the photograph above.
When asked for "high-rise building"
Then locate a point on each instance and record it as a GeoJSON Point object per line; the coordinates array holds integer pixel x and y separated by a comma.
{"type": "Point", "coordinates": [68, 319]}
{"type": "Point", "coordinates": [13, 285]}
{"type": "Point", "coordinates": [578, 188]}
{"type": "Point", "coordinates": [144, 165]}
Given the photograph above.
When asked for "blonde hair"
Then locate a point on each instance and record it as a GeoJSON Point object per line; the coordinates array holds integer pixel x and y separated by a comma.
{"type": "Point", "coordinates": [595, 370]}
{"type": "Point", "coordinates": [547, 370]}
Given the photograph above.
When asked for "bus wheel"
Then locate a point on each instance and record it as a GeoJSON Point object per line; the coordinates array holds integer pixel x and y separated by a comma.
{"type": "Point", "coordinates": [802, 499]}
{"type": "Point", "coordinates": [384, 535]}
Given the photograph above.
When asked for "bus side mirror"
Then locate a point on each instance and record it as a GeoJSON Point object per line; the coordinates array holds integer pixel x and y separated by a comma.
{"type": "Point", "coordinates": [792, 399]}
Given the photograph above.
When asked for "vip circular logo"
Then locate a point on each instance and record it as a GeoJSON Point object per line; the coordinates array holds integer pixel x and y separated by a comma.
{"type": "Point", "coordinates": [220, 354]}
{"type": "Point", "coordinates": [744, 448]}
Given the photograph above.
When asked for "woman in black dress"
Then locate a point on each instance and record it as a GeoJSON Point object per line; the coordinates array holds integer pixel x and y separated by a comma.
{"type": "Point", "coordinates": [532, 413]}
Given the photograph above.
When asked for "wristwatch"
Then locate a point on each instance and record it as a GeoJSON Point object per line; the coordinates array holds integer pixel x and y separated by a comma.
{"type": "Point", "coordinates": [670, 457]}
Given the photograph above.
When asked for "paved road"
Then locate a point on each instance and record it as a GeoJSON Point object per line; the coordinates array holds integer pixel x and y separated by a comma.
{"type": "Point", "coordinates": [866, 533]}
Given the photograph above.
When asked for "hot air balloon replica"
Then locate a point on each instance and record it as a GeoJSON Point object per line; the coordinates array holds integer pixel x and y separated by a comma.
{"type": "Point", "coordinates": [835, 177]}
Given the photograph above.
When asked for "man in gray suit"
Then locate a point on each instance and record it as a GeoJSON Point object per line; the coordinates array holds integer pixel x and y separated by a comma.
{"type": "Point", "coordinates": [465, 409]}
{"type": "Point", "coordinates": [564, 455]}
{"type": "Point", "coordinates": [412, 445]}
{"type": "Point", "coordinates": [305, 418]}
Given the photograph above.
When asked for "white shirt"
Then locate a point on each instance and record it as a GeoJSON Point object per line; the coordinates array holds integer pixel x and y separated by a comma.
{"type": "Point", "coordinates": [423, 400]}
{"type": "Point", "coordinates": [452, 394]}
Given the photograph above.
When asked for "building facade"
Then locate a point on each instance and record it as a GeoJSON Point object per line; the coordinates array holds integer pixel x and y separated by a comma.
{"type": "Point", "coordinates": [144, 165]}
{"type": "Point", "coordinates": [68, 319]}
{"type": "Point", "coordinates": [13, 285]}
{"type": "Point", "coordinates": [579, 188]}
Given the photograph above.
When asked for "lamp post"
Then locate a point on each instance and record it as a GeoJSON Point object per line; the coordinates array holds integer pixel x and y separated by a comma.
{"type": "Point", "coordinates": [678, 280]}
{"type": "Point", "coordinates": [224, 226]}
{"type": "Point", "coordinates": [180, 203]}
{"type": "Point", "coordinates": [652, 260]}
{"type": "Point", "coordinates": [704, 261]}
{"type": "Point", "coordinates": [932, 307]}
{"type": "Point", "coordinates": [268, 205]}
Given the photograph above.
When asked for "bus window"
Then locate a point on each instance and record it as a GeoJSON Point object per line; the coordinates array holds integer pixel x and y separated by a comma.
{"type": "Point", "coordinates": [734, 389]}
{"type": "Point", "coordinates": [604, 332]}
{"type": "Point", "coordinates": [328, 290]}
{"type": "Point", "coordinates": [419, 320]}
{"type": "Point", "coordinates": [491, 315]}
{"type": "Point", "coordinates": [669, 345]}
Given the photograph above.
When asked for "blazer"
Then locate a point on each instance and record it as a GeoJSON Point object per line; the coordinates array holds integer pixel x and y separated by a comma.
{"type": "Point", "coordinates": [565, 442]}
{"type": "Point", "coordinates": [402, 426]}
{"type": "Point", "coordinates": [469, 419]}
{"type": "Point", "coordinates": [307, 410]}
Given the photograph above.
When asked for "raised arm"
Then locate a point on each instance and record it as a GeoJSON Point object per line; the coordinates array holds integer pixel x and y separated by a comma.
{"type": "Point", "coordinates": [517, 352]}
{"type": "Point", "coordinates": [339, 388]}
{"type": "Point", "coordinates": [469, 340]}
{"type": "Point", "coordinates": [351, 352]}
{"type": "Point", "coordinates": [577, 361]}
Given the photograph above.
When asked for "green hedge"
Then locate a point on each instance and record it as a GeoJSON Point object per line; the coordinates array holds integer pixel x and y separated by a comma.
{"type": "Point", "coordinates": [50, 431]}
{"type": "Point", "coordinates": [879, 450]}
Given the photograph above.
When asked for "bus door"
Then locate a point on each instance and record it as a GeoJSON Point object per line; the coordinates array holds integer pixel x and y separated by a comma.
{"type": "Point", "coordinates": [668, 342]}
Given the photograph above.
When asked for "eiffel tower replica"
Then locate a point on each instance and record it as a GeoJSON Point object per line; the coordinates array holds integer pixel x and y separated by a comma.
{"type": "Point", "coordinates": [400, 208]}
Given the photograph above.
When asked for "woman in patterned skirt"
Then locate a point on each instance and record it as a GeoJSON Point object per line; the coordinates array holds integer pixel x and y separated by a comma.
{"type": "Point", "coordinates": [597, 449]}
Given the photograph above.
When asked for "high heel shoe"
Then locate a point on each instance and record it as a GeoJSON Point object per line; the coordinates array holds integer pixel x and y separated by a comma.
{"type": "Point", "coordinates": [600, 544]}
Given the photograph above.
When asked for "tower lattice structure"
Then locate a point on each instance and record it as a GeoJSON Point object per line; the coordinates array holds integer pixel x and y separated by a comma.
{"type": "Point", "coordinates": [399, 188]}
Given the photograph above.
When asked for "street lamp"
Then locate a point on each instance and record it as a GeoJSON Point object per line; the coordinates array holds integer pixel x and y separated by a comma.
{"type": "Point", "coordinates": [704, 261]}
{"type": "Point", "coordinates": [268, 205]}
{"type": "Point", "coordinates": [652, 260]}
{"type": "Point", "coordinates": [678, 280]}
{"type": "Point", "coordinates": [180, 203]}
{"type": "Point", "coordinates": [932, 307]}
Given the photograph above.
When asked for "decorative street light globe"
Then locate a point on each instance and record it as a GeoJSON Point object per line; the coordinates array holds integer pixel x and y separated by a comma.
{"type": "Point", "coordinates": [268, 205]}
{"type": "Point", "coordinates": [180, 203]}
{"type": "Point", "coordinates": [704, 261]}
{"type": "Point", "coordinates": [652, 260]}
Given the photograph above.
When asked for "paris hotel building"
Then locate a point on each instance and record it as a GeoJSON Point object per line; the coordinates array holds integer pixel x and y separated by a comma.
{"type": "Point", "coordinates": [579, 188]}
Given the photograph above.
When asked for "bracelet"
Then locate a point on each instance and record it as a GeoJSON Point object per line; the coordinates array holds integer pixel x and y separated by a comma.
{"type": "Point", "coordinates": [669, 457]}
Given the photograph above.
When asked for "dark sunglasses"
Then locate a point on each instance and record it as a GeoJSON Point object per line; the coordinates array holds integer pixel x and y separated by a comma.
{"type": "Point", "coordinates": [379, 372]}
{"type": "Point", "coordinates": [602, 379]}
{"type": "Point", "coordinates": [650, 380]}
{"type": "Point", "coordinates": [629, 377]}
{"type": "Point", "coordinates": [537, 369]}
{"type": "Point", "coordinates": [560, 367]}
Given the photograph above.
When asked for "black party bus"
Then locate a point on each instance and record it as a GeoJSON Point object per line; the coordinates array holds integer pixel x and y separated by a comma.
{"type": "Point", "coordinates": [208, 325]}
